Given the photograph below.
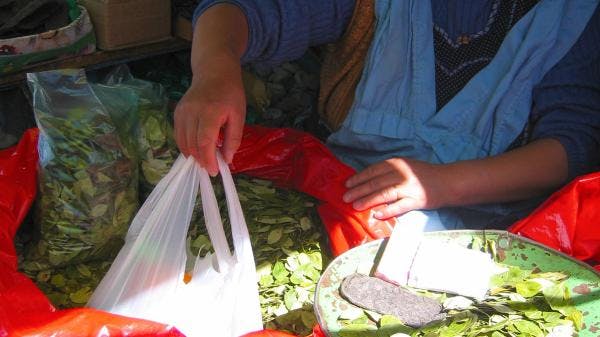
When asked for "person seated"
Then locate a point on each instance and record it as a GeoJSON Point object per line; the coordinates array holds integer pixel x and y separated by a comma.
{"type": "Point", "coordinates": [469, 112]}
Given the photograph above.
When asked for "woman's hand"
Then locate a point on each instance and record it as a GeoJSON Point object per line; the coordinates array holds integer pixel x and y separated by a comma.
{"type": "Point", "coordinates": [214, 102]}
{"type": "Point", "coordinates": [403, 184]}
{"type": "Point", "coordinates": [406, 184]}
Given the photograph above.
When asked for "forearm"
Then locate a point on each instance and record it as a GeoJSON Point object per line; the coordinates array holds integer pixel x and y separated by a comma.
{"type": "Point", "coordinates": [525, 172]}
{"type": "Point", "coordinates": [220, 39]}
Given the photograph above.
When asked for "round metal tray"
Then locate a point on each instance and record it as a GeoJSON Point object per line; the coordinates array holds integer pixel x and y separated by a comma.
{"type": "Point", "coordinates": [584, 281]}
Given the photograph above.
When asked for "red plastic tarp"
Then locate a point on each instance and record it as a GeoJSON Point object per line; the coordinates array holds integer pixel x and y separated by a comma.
{"type": "Point", "coordinates": [569, 220]}
{"type": "Point", "coordinates": [297, 160]}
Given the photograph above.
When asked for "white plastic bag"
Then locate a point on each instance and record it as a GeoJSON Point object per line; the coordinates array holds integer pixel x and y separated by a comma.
{"type": "Point", "coordinates": [146, 278]}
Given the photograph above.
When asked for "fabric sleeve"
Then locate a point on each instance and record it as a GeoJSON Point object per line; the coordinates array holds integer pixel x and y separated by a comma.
{"type": "Point", "coordinates": [567, 102]}
{"type": "Point", "coordinates": [282, 30]}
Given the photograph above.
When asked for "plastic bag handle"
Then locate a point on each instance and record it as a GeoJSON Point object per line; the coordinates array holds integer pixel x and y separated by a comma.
{"type": "Point", "coordinates": [212, 219]}
{"type": "Point", "coordinates": [239, 230]}
{"type": "Point", "coordinates": [247, 298]}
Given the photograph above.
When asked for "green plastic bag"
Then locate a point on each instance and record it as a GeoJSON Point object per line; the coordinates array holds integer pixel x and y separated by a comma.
{"type": "Point", "coordinates": [88, 174]}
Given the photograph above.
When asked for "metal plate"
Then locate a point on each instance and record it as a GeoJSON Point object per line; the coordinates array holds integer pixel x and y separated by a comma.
{"type": "Point", "coordinates": [584, 281]}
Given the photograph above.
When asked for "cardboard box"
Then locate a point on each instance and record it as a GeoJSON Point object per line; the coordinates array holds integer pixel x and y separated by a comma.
{"type": "Point", "coordinates": [125, 23]}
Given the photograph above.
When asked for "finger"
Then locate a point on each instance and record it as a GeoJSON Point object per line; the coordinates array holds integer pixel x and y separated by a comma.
{"type": "Point", "coordinates": [368, 173]}
{"type": "Point", "coordinates": [233, 136]}
{"type": "Point", "coordinates": [206, 144]}
{"type": "Point", "coordinates": [378, 183]}
{"type": "Point", "coordinates": [190, 134]}
{"type": "Point", "coordinates": [385, 196]}
{"type": "Point", "coordinates": [180, 132]}
{"type": "Point", "coordinates": [397, 208]}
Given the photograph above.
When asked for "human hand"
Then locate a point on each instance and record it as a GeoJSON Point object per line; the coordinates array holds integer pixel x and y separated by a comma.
{"type": "Point", "coordinates": [403, 184]}
{"type": "Point", "coordinates": [215, 101]}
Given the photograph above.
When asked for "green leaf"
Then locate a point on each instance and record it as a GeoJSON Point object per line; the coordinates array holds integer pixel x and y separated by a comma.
{"type": "Point", "coordinates": [516, 297]}
{"type": "Point", "coordinates": [305, 223]}
{"type": "Point", "coordinates": [99, 210]}
{"type": "Point", "coordinates": [460, 323]}
{"type": "Point", "coordinates": [274, 235]}
{"type": "Point", "coordinates": [279, 271]}
{"type": "Point", "coordinates": [291, 263]}
{"type": "Point", "coordinates": [576, 317]}
{"type": "Point", "coordinates": [297, 278]}
{"type": "Point", "coordinates": [363, 319]}
{"type": "Point", "coordinates": [103, 178]}
{"type": "Point", "coordinates": [81, 296]}
{"type": "Point", "coordinates": [202, 241]}
{"type": "Point", "coordinates": [389, 320]}
{"type": "Point", "coordinates": [477, 243]}
{"type": "Point", "coordinates": [84, 270]}
{"type": "Point", "coordinates": [291, 300]}
{"type": "Point", "coordinates": [551, 316]}
{"type": "Point", "coordinates": [317, 260]}
{"type": "Point", "coordinates": [529, 328]}
{"type": "Point", "coordinates": [358, 330]}
{"type": "Point", "coordinates": [58, 280]}
{"type": "Point", "coordinates": [551, 276]}
{"type": "Point", "coordinates": [266, 280]}
{"type": "Point", "coordinates": [528, 288]}
{"type": "Point", "coordinates": [303, 259]}
{"type": "Point", "coordinates": [556, 296]}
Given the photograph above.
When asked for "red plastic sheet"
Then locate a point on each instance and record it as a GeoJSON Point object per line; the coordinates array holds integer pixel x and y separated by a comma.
{"type": "Point", "coordinates": [568, 221]}
{"type": "Point", "coordinates": [18, 186]}
{"type": "Point", "coordinates": [24, 309]}
{"type": "Point", "coordinates": [297, 160]}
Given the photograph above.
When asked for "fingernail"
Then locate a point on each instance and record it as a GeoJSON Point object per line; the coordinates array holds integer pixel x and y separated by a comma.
{"type": "Point", "coordinates": [346, 198]}
{"type": "Point", "coordinates": [378, 214]}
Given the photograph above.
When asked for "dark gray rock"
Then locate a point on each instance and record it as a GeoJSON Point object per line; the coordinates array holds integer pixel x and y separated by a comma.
{"type": "Point", "coordinates": [374, 294]}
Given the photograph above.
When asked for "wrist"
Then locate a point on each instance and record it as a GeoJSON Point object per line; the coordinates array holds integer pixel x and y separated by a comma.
{"type": "Point", "coordinates": [456, 185]}
{"type": "Point", "coordinates": [221, 33]}
{"type": "Point", "coordinates": [219, 65]}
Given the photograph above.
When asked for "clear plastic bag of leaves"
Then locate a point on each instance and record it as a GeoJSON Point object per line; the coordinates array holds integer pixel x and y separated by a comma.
{"type": "Point", "coordinates": [88, 172]}
{"type": "Point", "coordinates": [154, 136]}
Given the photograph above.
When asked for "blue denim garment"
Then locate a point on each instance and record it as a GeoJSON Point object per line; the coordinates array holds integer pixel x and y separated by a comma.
{"type": "Point", "coordinates": [394, 112]}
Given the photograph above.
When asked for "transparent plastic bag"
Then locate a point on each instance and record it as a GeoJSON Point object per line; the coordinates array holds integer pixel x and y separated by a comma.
{"type": "Point", "coordinates": [87, 169]}
{"type": "Point", "coordinates": [154, 136]}
{"type": "Point", "coordinates": [146, 279]}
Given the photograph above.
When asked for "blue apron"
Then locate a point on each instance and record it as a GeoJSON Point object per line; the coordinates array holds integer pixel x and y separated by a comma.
{"type": "Point", "coordinates": [394, 112]}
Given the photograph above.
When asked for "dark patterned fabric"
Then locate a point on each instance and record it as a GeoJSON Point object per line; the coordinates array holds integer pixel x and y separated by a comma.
{"type": "Point", "coordinates": [458, 59]}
